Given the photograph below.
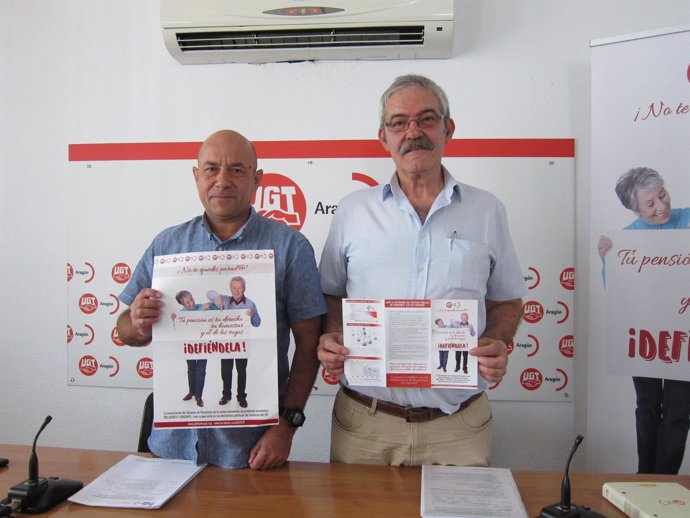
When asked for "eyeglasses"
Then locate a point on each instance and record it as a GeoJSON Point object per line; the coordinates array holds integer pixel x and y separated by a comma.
{"type": "Point", "coordinates": [426, 121]}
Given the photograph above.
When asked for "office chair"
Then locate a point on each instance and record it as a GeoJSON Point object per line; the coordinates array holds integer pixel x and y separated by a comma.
{"type": "Point", "coordinates": [146, 425]}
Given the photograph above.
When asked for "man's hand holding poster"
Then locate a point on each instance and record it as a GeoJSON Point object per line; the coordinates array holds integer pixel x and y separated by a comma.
{"type": "Point", "coordinates": [410, 343]}
{"type": "Point", "coordinates": [651, 335]}
{"type": "Point", "coordinates": [214, 348]}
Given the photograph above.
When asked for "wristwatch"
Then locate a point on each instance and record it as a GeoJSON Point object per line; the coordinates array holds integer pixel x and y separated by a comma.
{"type": "Point", "coordinates": [294, 416]}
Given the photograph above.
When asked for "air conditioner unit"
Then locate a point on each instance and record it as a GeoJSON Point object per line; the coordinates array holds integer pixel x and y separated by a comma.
{"type": "Point", "coordinates": [256, 31]}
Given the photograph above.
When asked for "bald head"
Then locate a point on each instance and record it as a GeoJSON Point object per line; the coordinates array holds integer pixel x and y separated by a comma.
{"type": "Point", "coordinates": [226, 178]}
{"type": "Point", "coordinates": [227, 137]}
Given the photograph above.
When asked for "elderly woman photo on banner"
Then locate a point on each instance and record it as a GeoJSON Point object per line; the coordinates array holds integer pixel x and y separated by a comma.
{"type": "Point", "coordinates": [647, 318]}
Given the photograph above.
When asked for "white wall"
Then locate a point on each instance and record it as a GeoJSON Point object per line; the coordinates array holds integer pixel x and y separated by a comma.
{"type": "Point", "coordinates": [77, 71]}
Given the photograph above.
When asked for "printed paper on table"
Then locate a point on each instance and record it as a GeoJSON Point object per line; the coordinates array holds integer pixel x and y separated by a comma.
{"type": "Point", "coordinates": [138, 483]}
{"type": "Point", "coordinates": [470, 492]}
{"type": "Point", "coordinates": [206, 335]}
{"type": "Point", "coordinates": [410, 343]}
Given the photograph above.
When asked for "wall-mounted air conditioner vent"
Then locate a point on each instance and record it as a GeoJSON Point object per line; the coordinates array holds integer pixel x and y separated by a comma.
{"type": "Point", "coordinates": [216, 31]}
{"type": "Point", "coordinates": [300, 38]}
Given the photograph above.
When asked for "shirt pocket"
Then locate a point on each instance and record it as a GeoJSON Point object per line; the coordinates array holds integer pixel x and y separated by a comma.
{"type": "Point", "coordinates": [469, 265]}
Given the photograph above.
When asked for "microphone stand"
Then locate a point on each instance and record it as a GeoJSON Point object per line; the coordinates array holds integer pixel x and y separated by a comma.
{"type": "Point", "coordinates": [36, 495]}
{"type": "Point", "coordinates": [564, 509]}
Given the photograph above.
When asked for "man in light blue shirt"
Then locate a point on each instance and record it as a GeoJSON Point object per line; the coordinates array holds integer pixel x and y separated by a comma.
{"type": "Point", "coordinates": [226, 179]}
{"type": "Point", "coordinates": [422, 235]}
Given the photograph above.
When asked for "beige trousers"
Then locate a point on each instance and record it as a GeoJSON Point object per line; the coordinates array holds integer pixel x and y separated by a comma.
{"type": "Point", "coordinates": [361, 435]}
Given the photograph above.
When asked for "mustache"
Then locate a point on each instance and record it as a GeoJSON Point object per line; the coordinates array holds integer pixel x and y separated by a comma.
{"type": "Point", "coordinates": [416, 143]}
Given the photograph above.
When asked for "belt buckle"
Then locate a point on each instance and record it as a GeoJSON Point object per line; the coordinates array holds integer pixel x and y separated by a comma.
{"type": "Point", "coordinates": [417, 414]}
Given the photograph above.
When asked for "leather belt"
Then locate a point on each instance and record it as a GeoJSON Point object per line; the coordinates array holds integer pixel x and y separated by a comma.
{"type": "Point", "coordinates": [410, 414]}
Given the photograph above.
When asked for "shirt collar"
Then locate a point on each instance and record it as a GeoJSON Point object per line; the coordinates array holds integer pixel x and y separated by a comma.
{"type": "Point", "coordinates": [239, 235]}
{"type": "Point", "coordinates": [450, 186]}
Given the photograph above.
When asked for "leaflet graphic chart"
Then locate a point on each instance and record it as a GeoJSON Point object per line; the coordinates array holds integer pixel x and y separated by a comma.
{"type": "Point", "coordinates": [216, 338]}
{"type": "Point", "coordinates": [418, 343]}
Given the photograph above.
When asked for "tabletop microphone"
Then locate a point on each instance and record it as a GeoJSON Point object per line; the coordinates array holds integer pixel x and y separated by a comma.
{"type": "Point", "coordinates": [564, 509]}
{"type": "Point", "coordinates": [33, 460]}
{"type": "Point", "coordinates": [565, 485]}
{"type": "Point", "coordinates": [36, 495]}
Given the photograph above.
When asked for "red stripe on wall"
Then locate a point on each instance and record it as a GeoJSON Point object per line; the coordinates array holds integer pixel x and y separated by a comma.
{"type": "Point", "coordinates": [563, 148]}
{"type": "Point", "coordinates": [555, 148]}
{"type": "Point", "coordinates": [133, 151]}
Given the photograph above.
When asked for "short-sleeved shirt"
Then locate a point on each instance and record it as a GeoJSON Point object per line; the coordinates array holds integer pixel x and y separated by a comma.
{"type": "Point", "coordinates": [377, 247]}
{"type": "Point", "coordinates": [298, 297]}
